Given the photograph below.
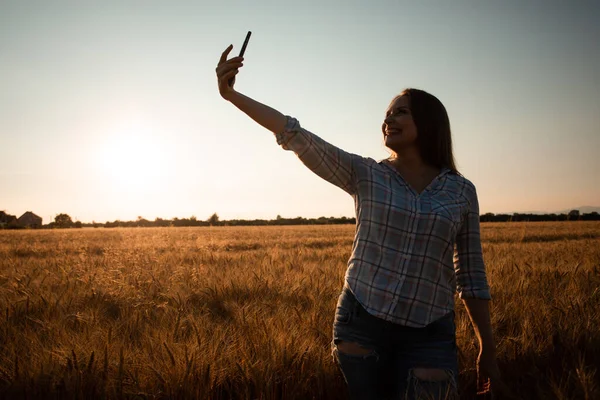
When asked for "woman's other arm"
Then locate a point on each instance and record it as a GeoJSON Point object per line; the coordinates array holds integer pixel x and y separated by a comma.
{"type": "Point", "coordinates": [474, 291]}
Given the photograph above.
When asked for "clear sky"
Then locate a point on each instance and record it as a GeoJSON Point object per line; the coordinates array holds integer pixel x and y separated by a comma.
{"type": "Point", "coordinates": [110, 109]}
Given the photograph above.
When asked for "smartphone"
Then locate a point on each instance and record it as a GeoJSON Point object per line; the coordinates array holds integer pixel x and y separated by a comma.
{"type": "Point", "coordinates": [242, 51]}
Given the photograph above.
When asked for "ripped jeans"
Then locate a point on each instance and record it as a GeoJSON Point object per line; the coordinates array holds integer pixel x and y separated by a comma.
{"type": "Point", "coordinates": [386, 372]}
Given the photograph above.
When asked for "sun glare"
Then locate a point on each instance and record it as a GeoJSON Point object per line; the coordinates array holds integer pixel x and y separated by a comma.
{"type": "Point", "coordinates": [134, 158]}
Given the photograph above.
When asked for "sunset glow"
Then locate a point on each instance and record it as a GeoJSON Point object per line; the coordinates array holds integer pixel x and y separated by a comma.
{"type": "Point", "coordinates": [110, 110]}
{"type": "Point", "coordinates": [133, 158]}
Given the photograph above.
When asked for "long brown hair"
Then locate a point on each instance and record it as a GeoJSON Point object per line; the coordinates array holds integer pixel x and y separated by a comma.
{"type": "Point", "coordinates": [434, 138]}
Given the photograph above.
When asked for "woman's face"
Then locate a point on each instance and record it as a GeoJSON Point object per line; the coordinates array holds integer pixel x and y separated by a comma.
{"type": "Point", "coordinates": [398, 128]}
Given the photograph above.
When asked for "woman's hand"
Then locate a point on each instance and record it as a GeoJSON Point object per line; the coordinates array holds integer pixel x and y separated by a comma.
{"type": "Point", "coordinates": [226, 70]}
{"type": "Point", "coordinates": [488, 378]}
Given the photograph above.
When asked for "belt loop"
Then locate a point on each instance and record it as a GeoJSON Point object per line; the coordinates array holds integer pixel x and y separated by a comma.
{"type": "Point", "coordinates": [357, 307]}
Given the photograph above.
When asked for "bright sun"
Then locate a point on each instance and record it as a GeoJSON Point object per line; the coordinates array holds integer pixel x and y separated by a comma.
{"type": "Point", "coordinates": [133, 158]}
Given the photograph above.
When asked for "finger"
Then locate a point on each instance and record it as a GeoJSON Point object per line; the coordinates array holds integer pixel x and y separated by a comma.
{"type": "Point", "coordinates": [225, 53]}
{"type": "Point", "coordinates": [226, 66]}
{"type": "Point", "coordinates": [225, 79]}
{"type": "Point", "coordinates": [230, 74]}
{"type": "Point", "coordinates": [233, 62]}
{"type": "Point", "coordinates": [236, 59]}
{"type": "Point", "coordinates": [483, 385]}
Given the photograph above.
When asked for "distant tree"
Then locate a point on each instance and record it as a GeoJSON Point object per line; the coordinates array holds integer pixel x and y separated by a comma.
{"type": "Point", "coordinates": [213, 220]}
{"type": "Point", "coordinates": [487, 217]}
{"type": "Point", "coordinates": [573, 214]}
{"type": "Point", "coordinates": [161, 222]}
{"type": "Point", "coordinates": [78, 224]}
{"type": "Point", "coordinates": [63, 221]}
{"type": "Point", "coordinates": [141, 221]}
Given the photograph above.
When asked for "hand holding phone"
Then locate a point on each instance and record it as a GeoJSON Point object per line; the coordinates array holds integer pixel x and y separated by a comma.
{"type": "Point", "coordinates": [227, 69]}
{"type": "Point", "coordinates": [242, 51]}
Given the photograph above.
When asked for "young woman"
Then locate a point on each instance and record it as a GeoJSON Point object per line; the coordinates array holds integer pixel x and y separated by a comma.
{"type": "Point", "coordinates": [417, 242]}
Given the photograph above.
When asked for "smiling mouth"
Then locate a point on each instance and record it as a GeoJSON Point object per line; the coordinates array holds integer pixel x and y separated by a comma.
{"type": "Point", "coordinates": [390, 132]}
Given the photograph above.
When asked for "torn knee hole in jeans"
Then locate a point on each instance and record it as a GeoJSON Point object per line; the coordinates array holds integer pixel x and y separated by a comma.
{"type": "Point", "coordinates": [431, 374]}
{"type": "Point", "coordinates": [353, 348]}
{"type": "Point", "coordinates": [432, 383]}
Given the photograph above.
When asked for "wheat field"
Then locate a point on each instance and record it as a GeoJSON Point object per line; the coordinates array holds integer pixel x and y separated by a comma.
{"type": "Point", "coordinates": [247, 312]}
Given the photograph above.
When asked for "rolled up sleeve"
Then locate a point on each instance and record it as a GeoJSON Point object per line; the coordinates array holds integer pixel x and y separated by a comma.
{"type": "Point", "coordinates": [324, 159]}
{"type": "Point", "coordinates": [471, 279]}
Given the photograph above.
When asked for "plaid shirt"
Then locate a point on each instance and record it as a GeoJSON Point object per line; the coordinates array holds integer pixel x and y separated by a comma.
{"type": "Point", "coordinates": [410, 251]}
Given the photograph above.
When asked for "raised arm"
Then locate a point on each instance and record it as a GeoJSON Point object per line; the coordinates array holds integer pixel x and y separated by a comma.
{"type": "Point", "coordinates": [266, 116]}
{"type": "Point", "coordinates": [329, 162]}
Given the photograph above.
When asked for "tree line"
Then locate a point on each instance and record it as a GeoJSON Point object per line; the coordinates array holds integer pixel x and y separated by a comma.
{"type": "Point", "coordinates": [65, 221]}
{"type": "Point", "coordinates": [573, 215]}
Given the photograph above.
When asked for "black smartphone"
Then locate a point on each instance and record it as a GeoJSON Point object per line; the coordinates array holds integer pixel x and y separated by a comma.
{"type": "Point", "coordinates": [242, 51]}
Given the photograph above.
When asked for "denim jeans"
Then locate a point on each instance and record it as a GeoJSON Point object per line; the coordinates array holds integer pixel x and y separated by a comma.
{"type": "Point", "coordinates": [386, 372]}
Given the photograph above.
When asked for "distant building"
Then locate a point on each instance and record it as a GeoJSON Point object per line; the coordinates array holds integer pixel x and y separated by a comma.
{"type": "Point", "coordinates": [6, 219]}
{"type": "Point", "coordinates": [30, 220]}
